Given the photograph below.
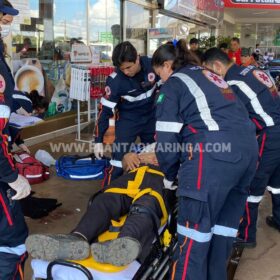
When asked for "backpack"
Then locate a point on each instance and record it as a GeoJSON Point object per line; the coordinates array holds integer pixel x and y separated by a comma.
{"type": "Point", "coordinates": [81, 168]}
{"type": "Point", "coordinates": [32, 169]}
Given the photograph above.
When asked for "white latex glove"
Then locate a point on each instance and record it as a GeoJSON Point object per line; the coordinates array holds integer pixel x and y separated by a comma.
{"type": "Point", "coordinates": [24, 148]}
{"type": "Point", "coordinates": [98, 150]}
{"type": "Point", "coordinates": [45, 158]}
{"type": "Point", "coordinates": [21, 186]}
{"type": "Point", "coordinates": [168, 185]}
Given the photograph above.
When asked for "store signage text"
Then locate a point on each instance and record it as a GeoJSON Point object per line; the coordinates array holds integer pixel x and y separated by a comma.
{"type": "Point", "coordinates": [254, 4]}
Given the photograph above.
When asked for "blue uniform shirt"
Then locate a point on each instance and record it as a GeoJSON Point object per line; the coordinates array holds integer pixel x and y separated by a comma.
{"type": "Point", "coordinates": [132, 97]}
{"type": "Point", "coordinates": [8, 173]}
{"type": "Point", "coordinates": [196, 101]}
{"type": "Point", "coordinates": [257, 91]}
{"type": "Point", "coordinates": [21, 100]}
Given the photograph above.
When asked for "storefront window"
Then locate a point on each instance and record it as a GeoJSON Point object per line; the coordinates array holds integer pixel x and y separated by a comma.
{"type": "Point", "coordinates": [42, 37]}
{"type": "Point", "coordinates": [265, 34]}
{"type": "Point", "coordinates": [104, 26]}
{"type": "Point", "coordinates": [138, 19]}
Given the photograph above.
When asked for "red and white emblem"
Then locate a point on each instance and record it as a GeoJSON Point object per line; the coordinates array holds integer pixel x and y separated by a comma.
{"type": "Point", "coordinates": [151, 77]}
{"type": "Point", "coordinates": [216, 79]}
{"type": "Point", "coordinates": [263, 78]}
{"type": "Point", "coordinates": [107, 91]}
{"type": "Point", "coordinates": [2, 84]}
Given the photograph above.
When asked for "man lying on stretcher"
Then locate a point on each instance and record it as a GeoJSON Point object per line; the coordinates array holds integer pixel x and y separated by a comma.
{"type": "Point", "coordinates": [140, 193]}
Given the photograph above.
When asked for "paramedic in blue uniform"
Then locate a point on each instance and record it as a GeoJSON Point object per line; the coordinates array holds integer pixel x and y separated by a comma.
{"type": "Point", "coordinates": [13, 230]}
{"type": "Point", "coordinates": [130, 91]}
{"type": "Point", "coordinates": [213, 152]}
{"type": "Point", "coordinates": [22, 105]}
{"type": "Point", "coordinates": [257, 91]}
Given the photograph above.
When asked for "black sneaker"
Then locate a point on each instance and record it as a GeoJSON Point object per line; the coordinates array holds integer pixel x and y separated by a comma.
{"type": "Point", "coordinates": [50, 247]}
{"type": "Point", "coordinates": [271, 222]}
{"type": "Point", "coordinates": [241, 243]}
{"type": "Point", "coordinates": [119, 252]}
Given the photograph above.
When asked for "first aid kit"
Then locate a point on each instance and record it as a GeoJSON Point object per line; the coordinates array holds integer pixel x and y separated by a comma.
{"type": "Point", "coordinates": [32, 169]}
{"type": "Point", "coordinates": [81, 168]}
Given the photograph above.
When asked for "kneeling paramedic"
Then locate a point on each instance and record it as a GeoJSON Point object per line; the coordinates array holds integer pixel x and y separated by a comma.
{"type": "Point", "coordinates": [214, 153]}
{"type": "Point", "coordinates": [257, 91]}
{"type": "Point", "coordinates": [139, 194]}
{"type": "Point", "coordinates": [130, 91]}
{"type": "Point", "coordinates": [13, 230]}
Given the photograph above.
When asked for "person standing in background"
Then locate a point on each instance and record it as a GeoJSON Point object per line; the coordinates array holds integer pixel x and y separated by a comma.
{"type": "Point", "coordinates": [194, 48]}
{"type": "Point", "coordinates": [235, 52]}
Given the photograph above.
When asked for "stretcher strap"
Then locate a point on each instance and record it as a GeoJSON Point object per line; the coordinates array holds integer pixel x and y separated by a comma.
{"type": "Point", "coordinates": [159, 198]}
{"type": "Point", "coordinates": [140, 173]}
{"type": "Point", "coordinates": [134, 192]}
{"type": "Point", "coordinates": [133, 186]}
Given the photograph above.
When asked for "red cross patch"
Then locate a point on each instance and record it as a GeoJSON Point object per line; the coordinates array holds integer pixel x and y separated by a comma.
{"type": "Point", "coordinates": [2, 84]}
{"type": "Point", "coordinates": [108, 91]}
{"type": "Point", "coordinates": [263, 78]}
{"type": "Point", "coordinates": [216, 79]}
{"type": "Point", "coordinates": [151, 77]}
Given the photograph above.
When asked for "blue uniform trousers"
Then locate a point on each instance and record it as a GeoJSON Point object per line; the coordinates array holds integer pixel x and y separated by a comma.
{"type": "Point", "coordinates": [127, 131]}
{"type": "Point", "coordinates": [267, 176]}
{"type": "Point", "coordinates": [12, 266]}
{"type": "Point", "coordinates": [213, 188]}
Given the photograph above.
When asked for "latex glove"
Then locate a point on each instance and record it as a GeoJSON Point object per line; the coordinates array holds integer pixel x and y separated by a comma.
{"type": "Point", "coordinates": [169, 185]}
{"type": "Point", "coordinates": [98, 150]}
{"type": "Point", "coordinates": [45, 158]}
{"type": "Point", "coordinates": [24, 148]}
{"type": "Point", "coordinates": [21, 186]}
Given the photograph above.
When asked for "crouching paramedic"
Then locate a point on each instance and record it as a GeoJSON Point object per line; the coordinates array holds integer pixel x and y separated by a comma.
{"type": "Point", "coordinates": [139, 194]}
{"type": "Point", "coordinates": [259, 94]}
{"type": "Point", "coordinates": [214, 152]}
{"type": "Point", "coordinates": [13, 187]}
{"type": "Point", "coordinates": [131, 92]}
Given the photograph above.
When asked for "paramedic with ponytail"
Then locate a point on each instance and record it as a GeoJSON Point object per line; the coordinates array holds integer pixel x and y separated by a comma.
{"type": "Point", "coordinates": [214, 154]}
{"type": "Point", "coordinates": [130, 92]}
{"type": "Point", "coordinates": [13, 230]}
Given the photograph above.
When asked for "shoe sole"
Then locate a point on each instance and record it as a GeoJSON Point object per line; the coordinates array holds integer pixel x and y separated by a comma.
{"type": "Point", "coordinates": [272, 225]}
{"type": "Point", "coordinates": [119, 252]}
{"type": "Point", "coordinates": [244, 245]}
{"type": "Point", "coordinates": [50, 248]}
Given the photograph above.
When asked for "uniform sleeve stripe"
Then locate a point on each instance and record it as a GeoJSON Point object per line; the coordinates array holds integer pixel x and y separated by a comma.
{"type": "Point", "coordinates": [22, 97]}
{"type": "Point", "coordinates": [108, 103]}
{"type": "Point", "coordinates": [254, 101]}
{"type": "Point", "coordinates": [116, 163]}
{"type": "Point", "coordinates": [5, 112]}
{"type": "Point", "coordinates": [200, 100]}
{"type": "Point", "coordinates": [113, 75]}
{"type": "Point", "coordinates": [174, 127]}
{"type": "Point", "coordinates": [254, 199]}
{"type": "Point", "coordinates": [140, 97]}
{"type": "Point", "coordinates": [273, 190]}
{"type": "Point", "coordinates": [194, 234]}
{"type": "Point", "coordinates": [225, 231]}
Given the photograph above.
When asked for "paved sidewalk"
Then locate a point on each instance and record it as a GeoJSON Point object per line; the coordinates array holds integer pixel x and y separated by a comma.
{"type": "Point", "coordinates": [262, 262]}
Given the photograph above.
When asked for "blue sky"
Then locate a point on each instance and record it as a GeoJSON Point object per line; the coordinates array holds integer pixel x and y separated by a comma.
{"type": "Point", "coordinates": [64, 8]}
{"type": "Point", "coordinates": [70, 16]}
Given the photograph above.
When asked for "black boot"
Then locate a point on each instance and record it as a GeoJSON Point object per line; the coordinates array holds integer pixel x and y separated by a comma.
{"type": "Point", "coordinates": [271, 222]}
{"type": "Point", "coordinates": [241, 243]}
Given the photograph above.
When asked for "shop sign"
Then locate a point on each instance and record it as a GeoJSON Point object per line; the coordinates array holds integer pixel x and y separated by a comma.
{"type": "Point", "coordinates": [253, 4]}
{"type": "Point", "coordinates": [81, 54]}
{"type": "Point", "coordinates": [106, 37]}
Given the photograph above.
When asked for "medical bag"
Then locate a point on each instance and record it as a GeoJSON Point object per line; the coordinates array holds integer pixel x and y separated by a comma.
{"type": "Point", "coordinates": [81, 168]}
{"type": "Point", "coordinates": [32, 169]}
